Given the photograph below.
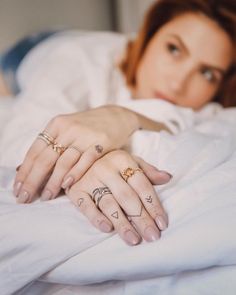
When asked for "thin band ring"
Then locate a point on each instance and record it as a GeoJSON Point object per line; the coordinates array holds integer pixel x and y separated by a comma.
{"type": "Point", "coordinates": [128, 172]}
{"type": "Point", "coordinates": [46, 137]}
{"type": "Point", "coordinates": [101, 192]}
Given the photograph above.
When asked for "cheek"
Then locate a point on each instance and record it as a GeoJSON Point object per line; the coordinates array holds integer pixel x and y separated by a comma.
{"type": "Point", "coordinates": [199, 95]}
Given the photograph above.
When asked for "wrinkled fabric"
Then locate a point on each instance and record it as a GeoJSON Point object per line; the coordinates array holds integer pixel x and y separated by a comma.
{"type": "Point", "coordinates": [50, 248]}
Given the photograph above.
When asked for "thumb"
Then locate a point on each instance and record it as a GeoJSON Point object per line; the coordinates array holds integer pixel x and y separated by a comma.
{"type": "Point", "coordinates": [156, 176]}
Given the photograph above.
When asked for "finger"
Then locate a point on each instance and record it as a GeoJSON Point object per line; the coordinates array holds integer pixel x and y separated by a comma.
{"type": "Point", "coordinates": [86, 160]}
{"type": "Point", "coordinates": [34, 151]}
{"type": "Point", "coordinates": [63, 165]}
{"type": "Point", "coordinates": [157, 177]}
{"type": "Point", "coordinates": [113, 212]}
{"type": "Point", "coordinates": [43, 165]}
{"type": "Point", "coordinates": [149, 198]}
{"type": "Point", "coordinates": [83, 201]}
{"type": "Point", "coordinates": [129, 201]}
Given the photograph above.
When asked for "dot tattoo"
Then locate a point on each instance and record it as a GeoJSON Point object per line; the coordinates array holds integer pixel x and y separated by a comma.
{"type": "Point", "coordinates": [98, 148]}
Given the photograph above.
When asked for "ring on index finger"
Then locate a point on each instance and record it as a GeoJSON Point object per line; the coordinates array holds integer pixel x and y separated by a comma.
{"type": "Point", "coordinates": [128, 172]}
{"type": "Point", "coordinates": [99, 192]}
{"type": "Point", "coordinates": [46, 137]}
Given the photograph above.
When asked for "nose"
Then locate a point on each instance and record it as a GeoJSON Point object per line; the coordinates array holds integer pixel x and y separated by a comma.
{"type": "Point", "coordinates": [179, 80]}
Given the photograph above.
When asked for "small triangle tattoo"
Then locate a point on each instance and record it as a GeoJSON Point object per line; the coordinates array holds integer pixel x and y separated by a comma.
{"type": "Point", "coordinates": [115, 214]}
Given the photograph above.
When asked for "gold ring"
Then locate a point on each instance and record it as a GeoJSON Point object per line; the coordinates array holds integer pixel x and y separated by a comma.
{"type": "Point", "coordinates": [58, 148]}
{"type": "Point", "coordinates": [46, 137]}
{"type": "Point", "coordinates": [128, 172]}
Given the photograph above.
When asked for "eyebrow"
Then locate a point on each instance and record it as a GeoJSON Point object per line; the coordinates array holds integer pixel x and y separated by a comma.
{"type": "Point", "coordinates": [215, 68]}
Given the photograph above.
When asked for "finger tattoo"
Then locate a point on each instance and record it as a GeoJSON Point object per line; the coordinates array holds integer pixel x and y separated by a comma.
{"type": "Point", "coordinates": [98, 148]}
{"type": "Point", "coordinates": [115, 215]}
{"type": "Point", "coordinates": [149, 199]}
{"type": "Point", "coordinates": [80, 201]}
{"type": "Point", "coordinates": [130, 216]}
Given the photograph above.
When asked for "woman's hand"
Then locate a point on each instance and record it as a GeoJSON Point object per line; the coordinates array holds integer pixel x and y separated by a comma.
{"type": "Point", "coordinates": [116, 192]}
{"type": "Point", "coordinates": [69, 145]}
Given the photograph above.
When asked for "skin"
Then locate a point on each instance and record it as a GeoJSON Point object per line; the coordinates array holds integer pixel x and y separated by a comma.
{"type": "Point", "coordinates": [185, 61]}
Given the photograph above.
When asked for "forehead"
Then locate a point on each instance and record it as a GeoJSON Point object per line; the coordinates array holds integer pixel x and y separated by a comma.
{"type": "Point", "coordinates": [203, 37]}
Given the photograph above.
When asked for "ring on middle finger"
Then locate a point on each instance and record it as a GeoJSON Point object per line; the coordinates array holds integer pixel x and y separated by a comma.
{"type": "Point", "coordinates": [128, 172]}
{"type": "Point", "coordinates": [99, 192]}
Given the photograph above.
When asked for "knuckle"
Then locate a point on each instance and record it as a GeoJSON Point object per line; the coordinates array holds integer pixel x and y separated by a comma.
{"type": "Point", "coordinates": [145, 185]}
{"type": "Point", "coordinates": [63, 164]}
{"type": "Point", "coordinates": [53, 185]}
{"type": "Point", "coordinates": [104, 138]}
{"type": "Point", "coordinates": [43, 163]}
{"type": "Point", "coordinates": [123, 226]}
{"type": "Point", "coordinates": [118, 156]}
{"type": "Point", "coordinates": [106, 204]}
{"type": "Point", "coordinates": [59, 121]}
{"type": "Point", "coordinates": [28, 187]}
{"type": "Point", "coordinates": [74, 191]}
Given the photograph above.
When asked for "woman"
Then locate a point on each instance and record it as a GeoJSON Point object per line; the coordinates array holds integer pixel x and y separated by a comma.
{"type": "Point", "coordinates": [184, 54]}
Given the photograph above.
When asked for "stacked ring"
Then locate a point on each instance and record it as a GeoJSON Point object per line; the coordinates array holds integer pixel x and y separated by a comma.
{"type": "Point", "coordinates": [101, 192]}
{"type": "Point", "coordinates": [128, 172]}
{"type": "Point", "coordinates": [46, 137]}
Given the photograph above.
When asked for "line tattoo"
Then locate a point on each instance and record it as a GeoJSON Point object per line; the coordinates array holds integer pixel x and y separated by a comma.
{"type": "Point", "coordinates": [149, 199]}
{"type": "Point", "coordinates": [80, 201]}
{"type": "Point", "coordinates": [130, 216]}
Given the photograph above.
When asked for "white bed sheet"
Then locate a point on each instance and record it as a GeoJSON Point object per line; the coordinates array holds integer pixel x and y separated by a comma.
{"type": "Point", "coordinates": [50, 246]}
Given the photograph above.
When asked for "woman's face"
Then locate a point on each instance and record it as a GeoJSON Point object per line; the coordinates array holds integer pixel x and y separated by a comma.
{"type": "Point", "coordinates": [185, 61]}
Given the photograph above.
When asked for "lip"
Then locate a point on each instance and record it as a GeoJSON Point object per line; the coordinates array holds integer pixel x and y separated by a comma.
{"type": "Point", "coordinates": [160, 95]}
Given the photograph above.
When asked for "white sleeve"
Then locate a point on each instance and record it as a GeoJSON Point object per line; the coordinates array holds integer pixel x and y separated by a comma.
{"type": "Point", "coordinates": [58, 85]}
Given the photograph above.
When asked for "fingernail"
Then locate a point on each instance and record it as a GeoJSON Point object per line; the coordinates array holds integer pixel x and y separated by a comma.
{"type": "Point", "coordinates": [68, 182]}
{"type": "Point", "coordinates": [23, 197]}
{"type": "Point", "coordinates": [105, 227]}
{"type": "Point", "coordinates": [165, 172]}
{"type": "Point", "coordinates": [17, 187]}
{"type": "Point", "coordinates": [161, 223]}
{"type": "Point", "coordinates": [151, 234]}
{"type": "Point", "coordinates": [131, 238]}
{"type": "Point", "coordinates": [46, 195]}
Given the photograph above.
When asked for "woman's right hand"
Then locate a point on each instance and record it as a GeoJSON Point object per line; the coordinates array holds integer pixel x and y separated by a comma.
{"type": "Point", "coordinates": [117, 192]}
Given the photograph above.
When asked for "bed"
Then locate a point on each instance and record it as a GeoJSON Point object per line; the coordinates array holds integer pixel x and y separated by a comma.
{"type": "Point", "coordinates": [50, 248]}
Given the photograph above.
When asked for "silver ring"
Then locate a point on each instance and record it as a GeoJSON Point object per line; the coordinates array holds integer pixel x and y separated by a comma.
{"type": "Point", "coordinates": [99, 193]}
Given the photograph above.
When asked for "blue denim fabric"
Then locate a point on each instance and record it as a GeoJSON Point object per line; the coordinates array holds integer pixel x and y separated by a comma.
{"type": "Point", "coordinates": [11, 59]}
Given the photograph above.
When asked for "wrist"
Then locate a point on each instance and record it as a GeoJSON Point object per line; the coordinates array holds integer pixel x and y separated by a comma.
{"type": "Point", "coordinates": [129, 119]}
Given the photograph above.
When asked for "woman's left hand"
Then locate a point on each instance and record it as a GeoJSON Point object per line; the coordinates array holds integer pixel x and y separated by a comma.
{"type": "Point", "coordinates": [69, 145]}
{"type": "Point", "coordinates": [116, 192]}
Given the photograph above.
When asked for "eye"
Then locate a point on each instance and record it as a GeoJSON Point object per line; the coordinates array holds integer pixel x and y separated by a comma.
{"type": "Point", "coordinates": [173, 49]}
{"type": "Point", "coordinates": [209, 75]}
